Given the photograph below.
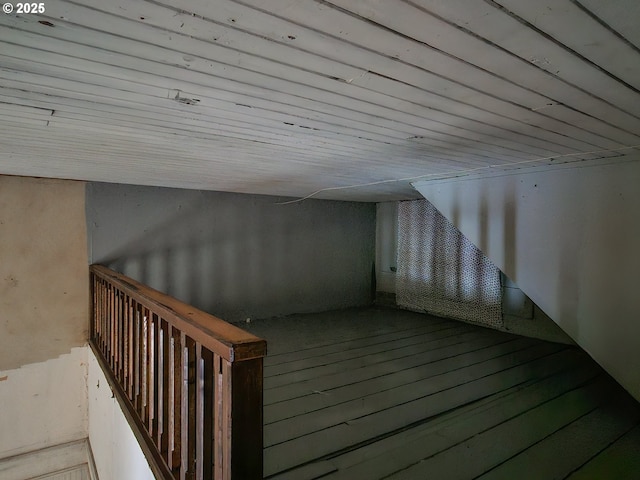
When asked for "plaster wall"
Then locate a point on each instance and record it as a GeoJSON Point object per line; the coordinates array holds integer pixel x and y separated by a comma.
{"type": "Point", "coordinates": [43, 313]}
{"type": "Point", "coordinates": [43, 404]}
{"type": "Point", "coordinates": [569, 238]}
{"type": "Point", "coordinates": [386, 246]}
{"type": "Point", "coordinates": [236, 256]}
{"type": "Point", "coordinates": [116, 451]}
{"type": "Point", "coordinates": [44, 286]}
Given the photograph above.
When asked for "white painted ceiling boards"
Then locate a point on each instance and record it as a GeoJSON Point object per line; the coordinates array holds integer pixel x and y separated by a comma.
{"type": "Point", "coordinates": [288, 97]}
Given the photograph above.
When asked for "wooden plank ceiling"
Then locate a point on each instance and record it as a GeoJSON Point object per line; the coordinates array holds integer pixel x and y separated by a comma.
{"type": "Point", "coordinates": [288, 97]}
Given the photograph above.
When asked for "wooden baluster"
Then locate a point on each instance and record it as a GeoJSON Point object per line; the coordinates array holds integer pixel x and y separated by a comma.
{"type": "Point", "coordinates": [94, 309]}
{"type": "Point", "coordinates": [113, 336]}
{"type": "Point", "coordinates": [114, 317]}
{"type": "Point", "coordinates": [144, 364]}
{"type": "Point", "coordinates": [110, 325]}
{"type": "Point", "coordinates": [107, 330]}
{"type": "Point", "coordinates": [136, 358]}
{"type": "Point", "coordinates": [167, 367]}
{"type": "Point", "coordinates": [132, 343]}
{"type": "Point", "coordinates": [107, 309]}
{"type": "Point", "coordinates": [103, 302]}
{"type": "Point", "coordinates": [171, 399]}
{"type": "Point", "coordinates": [123, 336]}
{"type": "Point", "coordinates": [116, 333]}
{"type": "Point", "coordinates": [99, 334]}
{"type": "Point", "coordinates": [112, 311]}
{"type": "Point", "coordinates": [184, 407]}
{"type": "Point", "coordinates": [158, 424]}
{"type": "Point", "coordinates": [105, 320]}
{"type": "Point", "coordinates": [103, 313]}
{"type": "Point", "coordinates": [154, 377]}
{"type": "Point", "coordinates": [199, 413]}
{"type": "Point", "coordinates": [103, 308]}
{"type": "Point", "coordinates": [99, 337]}
{"type": "Point", "coordinates": [125, 343]}
{"type": "Point", "coordinates": [151, 321]}
{"type": "Point", "coordinates": [208, 412]}
{"type": "Point", "coordinates": [200, 405]}
{"type": "Point", "coordinates": [222, 418]}
{"type": "Point", "coordinates": [191, 408]}
{"type": "Point", "coordinates": [175, 404]}
{"type": "Point", "coordinates": [105, 317]}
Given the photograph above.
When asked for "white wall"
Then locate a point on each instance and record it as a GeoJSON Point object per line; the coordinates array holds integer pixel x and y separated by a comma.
{"type": "Point", "coordinates": [236, 255]}
{"type": "Point", "coordinates": [43, 404]}
{"type": "Point", "coordinates": [569, 238]}
{"type": "Point", "coordinates": [116, 451]}
{"type": "Point", "coordinates": [386, 246]}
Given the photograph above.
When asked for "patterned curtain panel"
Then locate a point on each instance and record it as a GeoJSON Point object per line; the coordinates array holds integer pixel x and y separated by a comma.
{"type": "Point", "coordinates": [441, 272]}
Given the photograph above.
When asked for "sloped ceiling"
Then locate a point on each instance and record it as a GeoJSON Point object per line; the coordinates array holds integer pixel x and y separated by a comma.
{"type": "Point", "coordinates": [289, 97]}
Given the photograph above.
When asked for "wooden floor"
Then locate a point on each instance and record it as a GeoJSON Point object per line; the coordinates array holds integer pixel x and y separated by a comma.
{"type": "Point", "coordinates": [382, 393]}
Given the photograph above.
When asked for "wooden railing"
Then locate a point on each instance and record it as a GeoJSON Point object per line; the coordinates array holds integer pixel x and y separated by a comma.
{"type": "Point", "coordinates": [189, 383]}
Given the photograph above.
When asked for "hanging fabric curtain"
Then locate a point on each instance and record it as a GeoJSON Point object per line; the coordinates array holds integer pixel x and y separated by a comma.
{"type": "Point", "coordinates": [441, 272]}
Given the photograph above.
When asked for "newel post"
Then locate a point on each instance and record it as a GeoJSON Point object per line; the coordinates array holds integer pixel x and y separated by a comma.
{"type": "Point", "coordinates": [246, 419]}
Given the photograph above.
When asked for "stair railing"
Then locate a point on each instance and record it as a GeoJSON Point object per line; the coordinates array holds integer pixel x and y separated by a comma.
{"type": "Point", "coordinates": [189, 383]}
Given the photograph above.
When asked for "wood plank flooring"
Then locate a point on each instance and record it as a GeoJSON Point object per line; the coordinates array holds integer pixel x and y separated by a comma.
{"type": "Point", "coordinates": [387, 394]}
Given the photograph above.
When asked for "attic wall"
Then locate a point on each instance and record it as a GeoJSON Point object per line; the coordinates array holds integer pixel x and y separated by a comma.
{"type": "Point", "coordinates": [569, 238]}
{"type": "Point", "coordinates": [44, 286]}
{"type": "Point", "coordinates": [44, 296]}
{"type": "Point", "coordinates": [236, 256]}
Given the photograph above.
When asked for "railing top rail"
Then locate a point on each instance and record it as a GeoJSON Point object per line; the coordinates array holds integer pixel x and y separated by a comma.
{"type": "Point", "coordinates": [228, 341]}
